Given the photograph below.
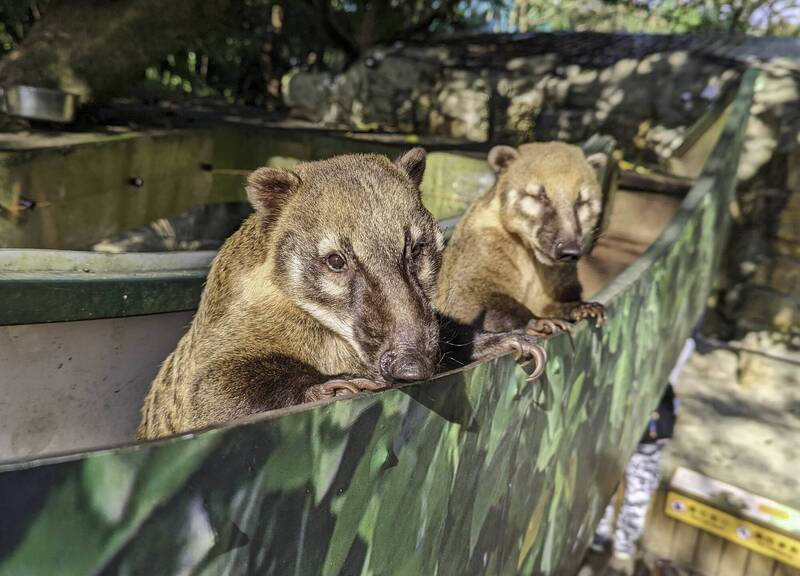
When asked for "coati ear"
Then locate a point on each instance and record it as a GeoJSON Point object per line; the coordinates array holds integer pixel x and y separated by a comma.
{"type": "Point", "coordinates": [413, 164]}
{"type": "Point", "coordinates": [501, 156]}
{"type": "Point", "coordinates": [597, 161]}
{"type": "Point", "coordinates": [267, 187]}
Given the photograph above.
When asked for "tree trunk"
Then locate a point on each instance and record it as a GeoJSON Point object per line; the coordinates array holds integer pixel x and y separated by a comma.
{"type": "Point", "coordinates": [98, 49]}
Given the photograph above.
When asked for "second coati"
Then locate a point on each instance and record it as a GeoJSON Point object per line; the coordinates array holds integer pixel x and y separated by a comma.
{"type": "Point", "coordinates": [326, 289]}
{"type": "Point", "coordinates": [512, 260]}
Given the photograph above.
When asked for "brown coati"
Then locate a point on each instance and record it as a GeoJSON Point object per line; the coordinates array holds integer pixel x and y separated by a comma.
{"type": "Point", "coordinates": [512, 260]}
{"type": "Point", "coordinates": [326, 289]}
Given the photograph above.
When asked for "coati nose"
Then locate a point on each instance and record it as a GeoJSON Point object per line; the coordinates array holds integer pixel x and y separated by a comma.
{"type": "Point", "coordinates": [567, 251]}
{"type": "Point", "coordinates": [407, 367]}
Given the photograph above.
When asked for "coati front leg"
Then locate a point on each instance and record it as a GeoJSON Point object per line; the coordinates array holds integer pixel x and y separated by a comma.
{"type": "Point", "coordinates": [567, 301]}
{"type": "Point", "coordinates": [526, 348]}
{"type": "Point", "coordinates": [546, 326]}
{"type": "Point", "coordinates": [236, 388]}
{"type": "Point", "coordinates": [461, 344]}
{"type": "Point", "coordinates": [340, 387]}
{"type": "Point", "coordinates": [577, 311]}
{"type": "Point", "coordinates": [504, 314]}
{"type": "Point", "coordinates": [587, 310]}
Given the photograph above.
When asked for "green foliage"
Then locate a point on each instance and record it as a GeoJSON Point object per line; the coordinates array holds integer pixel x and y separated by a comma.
{"type": "Point", "coordinates": [255, 42]}
{"type": "Point", "coordinates": [263, 39]}
{"type": "Point", "coordinates": [16, 18]}
{"type": "Point", "coordinates": [652, 16]}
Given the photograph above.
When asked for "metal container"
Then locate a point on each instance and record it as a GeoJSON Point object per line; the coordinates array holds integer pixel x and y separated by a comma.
{"type": "Point", "coordinates": [476, 472]}
{"type": "Point", "coordinates": [38, 103]}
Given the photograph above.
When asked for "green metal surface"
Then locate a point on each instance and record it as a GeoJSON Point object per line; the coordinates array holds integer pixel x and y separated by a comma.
{"type": "Point", "coordinates": [84, 192]}
{"type": "Point", "coordinates": [477, 472]}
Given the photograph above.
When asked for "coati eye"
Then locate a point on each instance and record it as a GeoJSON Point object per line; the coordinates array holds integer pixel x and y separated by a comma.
{"type": "Point", "coordinates": [336, 262]}
{"type": "Point", "coordinates": [536, 191]}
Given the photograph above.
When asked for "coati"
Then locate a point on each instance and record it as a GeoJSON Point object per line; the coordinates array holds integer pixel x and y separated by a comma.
{"type": "Point", "coordinates": [326, 289]}
{"type": "Point", "coordinates": [512, 260]}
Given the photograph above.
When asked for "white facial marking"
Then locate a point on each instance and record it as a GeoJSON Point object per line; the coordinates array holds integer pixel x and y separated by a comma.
{"type": "Point", "coordinates": [530, 207]}
{"type": "Point", "coordinates": [331, 287]}
{"type": "Point", "coordinates": [332, 321]}
{"type": "Point", "coordinates": [534, 189]}
{"type": "Point", "coordinates": [327, 244]}
{"type": "Point", "coordinates": [296, 272]}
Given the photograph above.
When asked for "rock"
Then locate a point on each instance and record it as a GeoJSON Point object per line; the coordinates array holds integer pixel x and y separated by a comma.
{"type": "Point", "coordinates": [763, 308]}
{"type": "Point", "coordinates": [306, 94]}
{"type": "Point", "coordinates": [759, 146]}
{"type": "Point", "coordinates": [768, 363]}
{"type": "Point", "coordinates": [787, 248]}
{"type": "Point", "coordinates": [463, 103]}
{"type": "Point", "coordinates": [747, 428]}
{"type": "Point", "coordinates": [789, 221]}
{"type": "Point", "coordinates": [777, 91]}
{"type": "Point", "coordinates": [532, 65]}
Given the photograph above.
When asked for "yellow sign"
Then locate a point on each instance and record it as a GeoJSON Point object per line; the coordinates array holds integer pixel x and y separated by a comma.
{"type": "Point", "coordinates": [753, 536]}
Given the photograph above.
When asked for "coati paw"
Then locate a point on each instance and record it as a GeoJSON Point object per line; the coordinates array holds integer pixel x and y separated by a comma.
{"type": "Point", "coordinates": [525, 347]}
{"type": "Point", "coordinates": [589, 310]}
{"type": "Point", "coordinates": [340, 387]}
{"type": "Point", "coordinates": [547, 326]}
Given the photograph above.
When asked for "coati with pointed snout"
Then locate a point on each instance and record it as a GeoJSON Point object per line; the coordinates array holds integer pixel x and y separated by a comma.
{"type": "Point", "coordinates": [512, 260]}
{"type": "Point", "coordinates": [325, 290]}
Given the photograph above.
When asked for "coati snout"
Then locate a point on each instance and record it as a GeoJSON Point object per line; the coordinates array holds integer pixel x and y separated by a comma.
{"type": "Point", "coordinates": [360, 255]}
{"type": "Point", "coordinates": [551, 198]}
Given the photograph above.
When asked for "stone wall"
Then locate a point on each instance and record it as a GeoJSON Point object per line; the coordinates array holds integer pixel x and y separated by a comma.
{"type": "Point", "coordinates": [644, 90]}
{"type": "Point", "coordinates": [496, 92]}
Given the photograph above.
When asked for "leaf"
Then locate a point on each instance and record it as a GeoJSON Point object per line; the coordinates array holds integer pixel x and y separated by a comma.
{"type": "Point", "coordinates": [354, 505]}
{"type": "Point", "coordinates": [491, 489]}
{"type": "Point", "coordinates": [107, 483]}
{"type": "Point", "coordinates": [289, 466]}
{"type": "Point", "coordinates": [575, 394]}
{"type": "Point", "coordinates": [532, 531]}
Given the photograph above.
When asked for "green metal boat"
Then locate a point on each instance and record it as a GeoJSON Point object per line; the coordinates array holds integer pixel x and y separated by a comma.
{"type": "Point", "coordinates": [475, 472]}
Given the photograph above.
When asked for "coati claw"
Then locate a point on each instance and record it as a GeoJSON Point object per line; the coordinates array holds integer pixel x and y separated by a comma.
{"type": "Point", "coordinates": [529, 351]}
{"type": "Point", "coordinates": [340, 387]}
{"type": "Point", "coordinates": [541, 363]}
{"type": "Point", "coordinates": [525, 346]}
{"type": "Point", "coordinates": [588, 310]}
{"type": "Point", "coordinates": [547, 326]}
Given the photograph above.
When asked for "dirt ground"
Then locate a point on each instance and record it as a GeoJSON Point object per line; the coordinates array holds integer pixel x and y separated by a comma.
{"type": "Point", "coordinates": [739, 420]}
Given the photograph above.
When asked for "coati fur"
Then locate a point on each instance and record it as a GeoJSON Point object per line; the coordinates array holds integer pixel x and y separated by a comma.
{"type": "Point", "coordinates": [326, 289]}
{"type": "Point", "coordinates": [512, 260]}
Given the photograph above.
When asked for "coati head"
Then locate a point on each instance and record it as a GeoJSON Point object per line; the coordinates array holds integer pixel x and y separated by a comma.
{"type": "Point", "coordinates": [550, 197]}
{"type": "Point", "coordinates": [352, 245]}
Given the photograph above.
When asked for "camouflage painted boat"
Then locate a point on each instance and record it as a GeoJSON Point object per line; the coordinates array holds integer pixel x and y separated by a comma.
{"type": "Point", "coordinates": [475, 472]}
